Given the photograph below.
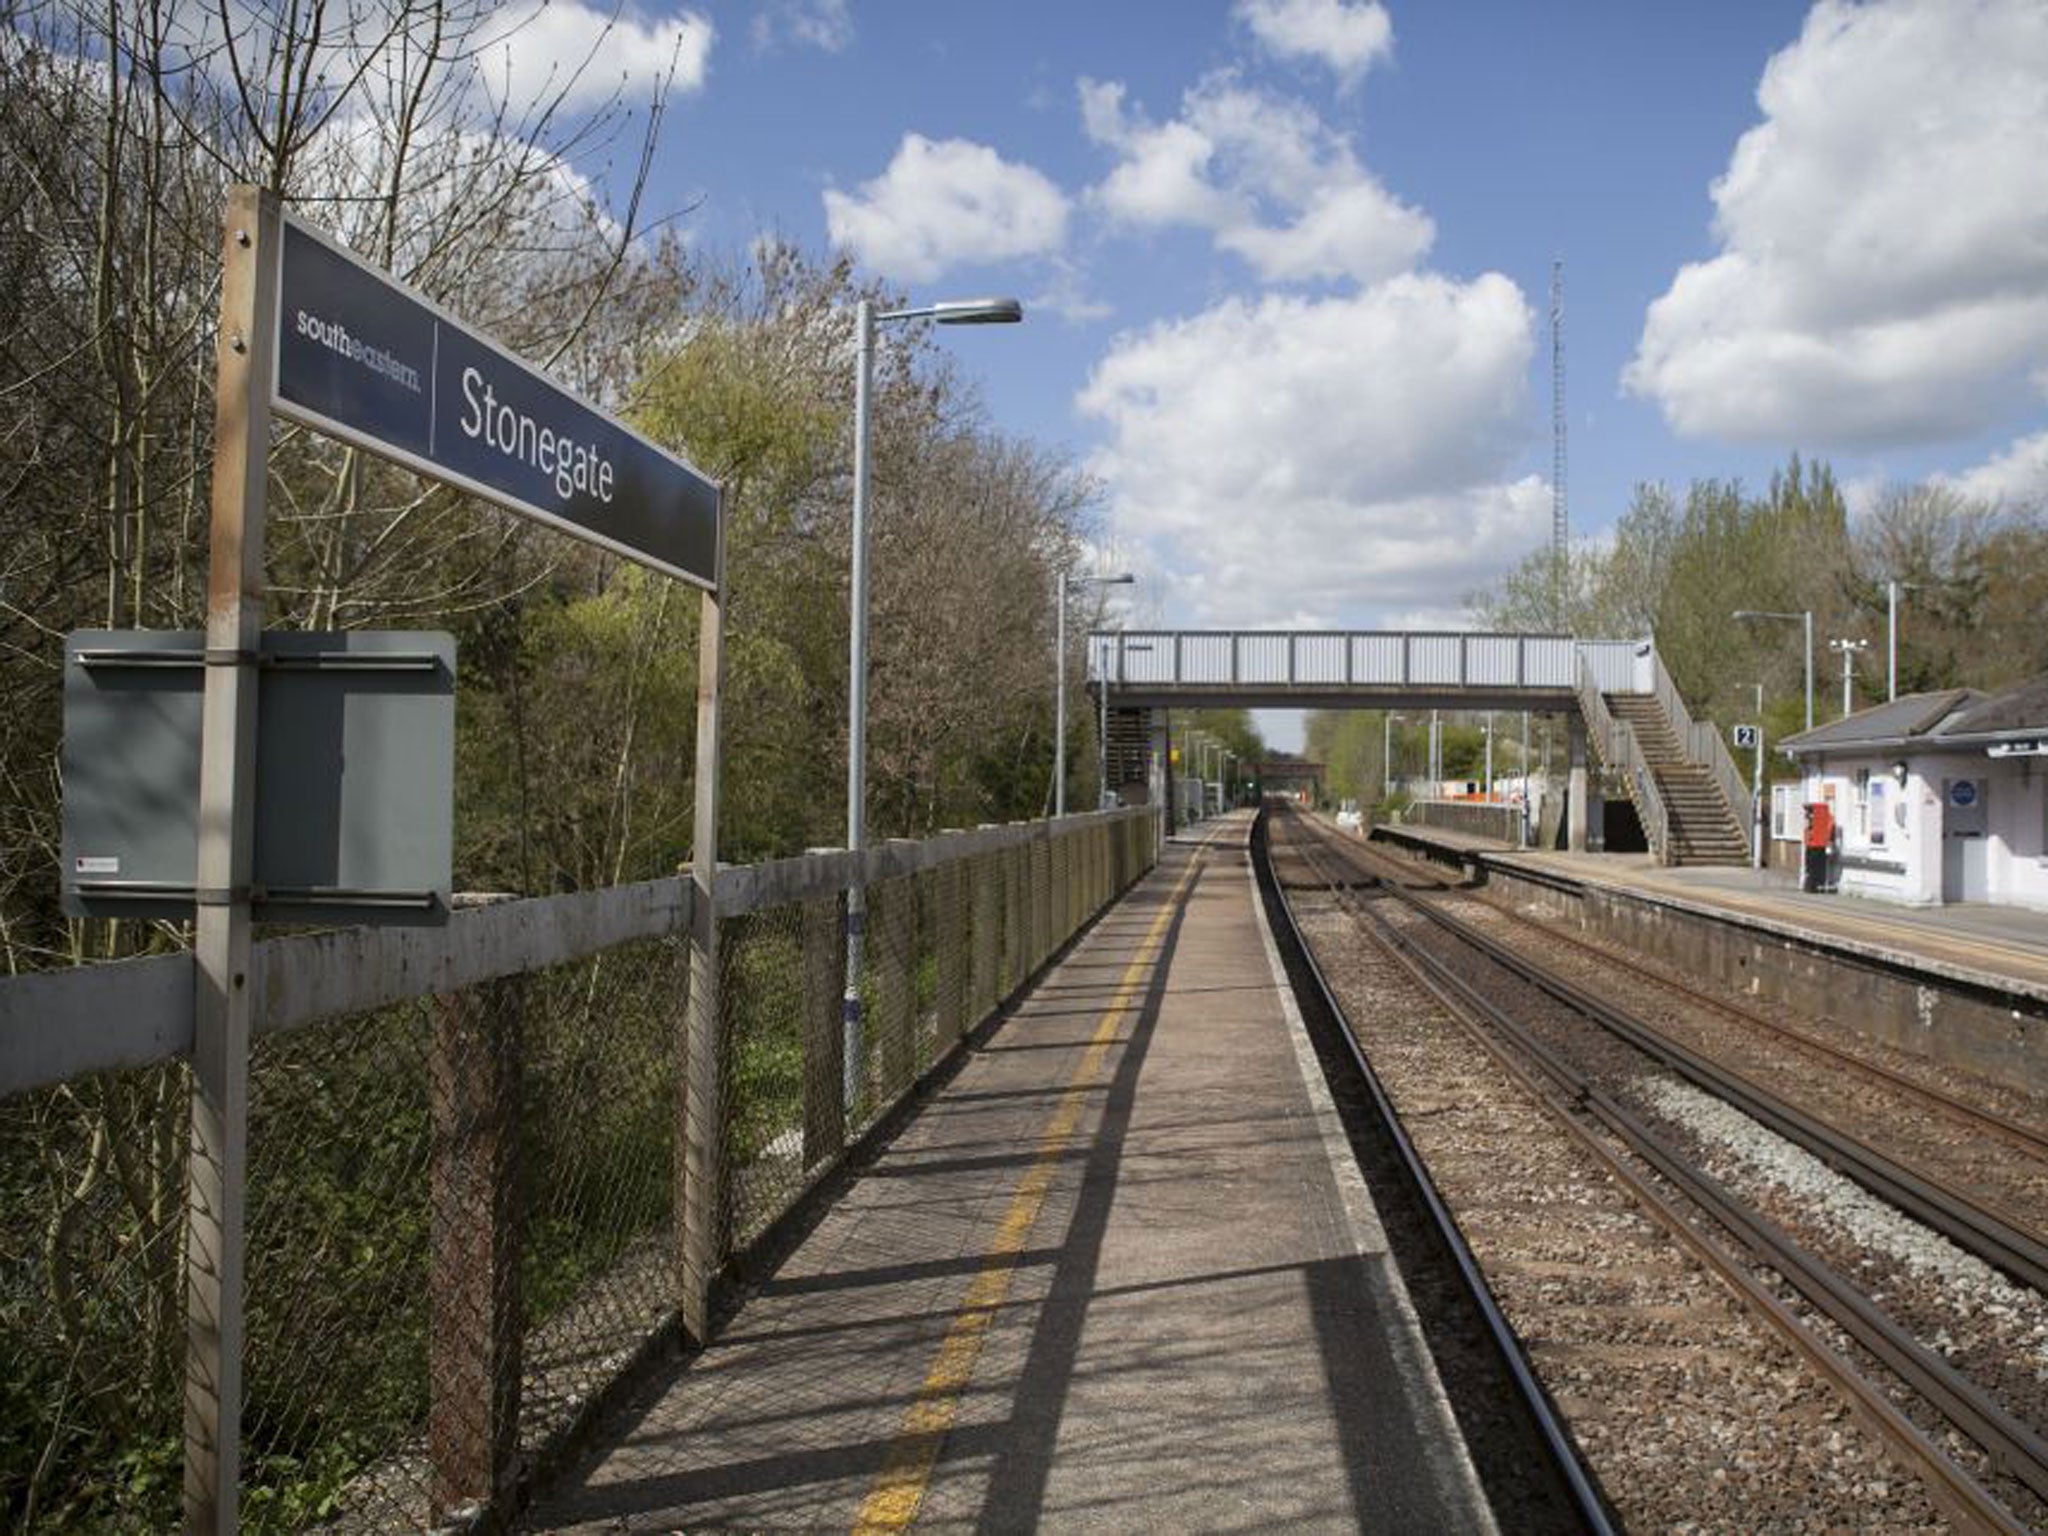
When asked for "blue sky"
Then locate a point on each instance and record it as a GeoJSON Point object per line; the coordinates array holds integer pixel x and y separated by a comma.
{"type": "Point", "coordinates": [1287, 261]}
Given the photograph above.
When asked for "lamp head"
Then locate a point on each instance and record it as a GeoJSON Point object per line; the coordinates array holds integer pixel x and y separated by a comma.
{"type": "Point", "coordinates": [978, 312]}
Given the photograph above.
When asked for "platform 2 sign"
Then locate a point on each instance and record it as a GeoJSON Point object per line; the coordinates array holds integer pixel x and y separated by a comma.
{"type": "Point", "coordinates": [365, 359]}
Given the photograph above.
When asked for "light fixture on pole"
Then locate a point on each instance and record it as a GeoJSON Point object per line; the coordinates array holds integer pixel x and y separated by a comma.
{"type": "Point", "coordinates": [1848, 648]}
{"type": "Point", "coordinates": [948, 312]}
{"type": "Point", "coordinates": [1805, 615]}
{"type": "Point", "coordinates": [1059, 707]}
{"type": "Point", "coordinates": [1387, 753]}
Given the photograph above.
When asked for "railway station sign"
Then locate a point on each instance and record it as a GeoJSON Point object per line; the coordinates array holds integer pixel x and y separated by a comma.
{"type": "Point", "coordinates": [366, 359]}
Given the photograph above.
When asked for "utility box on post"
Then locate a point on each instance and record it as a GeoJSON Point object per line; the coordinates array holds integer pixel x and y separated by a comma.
{"type": "Point", "coordinates": [356, 755]}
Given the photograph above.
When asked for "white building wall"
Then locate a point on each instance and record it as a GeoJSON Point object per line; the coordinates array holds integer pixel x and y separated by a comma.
{"type": "Point", "coordinates": [1882, 825]}
{"type": "Point", "coordinates": [2018, 823]}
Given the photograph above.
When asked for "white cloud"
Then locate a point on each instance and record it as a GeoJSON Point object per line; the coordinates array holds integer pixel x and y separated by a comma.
{"type": "Point", "coordinates": [945, 202]}
{"type": "Point", "coordinates": [1325, 457]}
{"type": "Point", "coordinates": [1264, 175]}
{"type": "Point", "coordinates": [589, 53]}
{"type": "Point", "coordinates": [1883, 274]}
{"type": "Point", "coordinates": [823, 24]}
{"type": "Point", "coordinates": [2016, 478]}
{"type": "Point", "coordinates": [1349, 38]}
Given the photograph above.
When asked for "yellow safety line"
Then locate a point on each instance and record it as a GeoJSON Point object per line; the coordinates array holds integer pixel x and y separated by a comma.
{"type": "Point", "coordinates": [900, 1486]}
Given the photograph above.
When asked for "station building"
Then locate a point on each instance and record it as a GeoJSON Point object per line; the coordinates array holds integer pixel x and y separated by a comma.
{"type": "Point", "coordinates": [1937, 797]}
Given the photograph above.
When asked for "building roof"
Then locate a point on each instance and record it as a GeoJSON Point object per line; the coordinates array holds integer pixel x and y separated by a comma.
{"type": "Point", "coordinates": [1908, 718]}
{"type": "Point", "coordinates": [1960, 718]}
{"type": "Point", "coordinates": [2023, 709]}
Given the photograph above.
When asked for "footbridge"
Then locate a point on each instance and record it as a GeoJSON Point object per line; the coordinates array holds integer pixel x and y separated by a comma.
{"type": "Point", "coordinates": [1615, 695]}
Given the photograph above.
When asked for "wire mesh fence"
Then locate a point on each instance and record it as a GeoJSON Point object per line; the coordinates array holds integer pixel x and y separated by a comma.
{"type": "Point", "coordinates": [463, 1204]}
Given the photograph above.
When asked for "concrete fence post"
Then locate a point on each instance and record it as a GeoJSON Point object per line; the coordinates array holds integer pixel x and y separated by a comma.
{"type": "Point", "coordinates": [824, 996]}
{"type": "Point", "coordinates": [951, 934]}
{"type": "Point", "coordinates": [892, 916]}
{"type": "Point", "coordinates": [475, 1237]}
{"type": "Point", "coordinates": [1016, 914]}
{"type": "Point", "coordinates": [1042, 899]}
{"type": "Point", "coordinates": [984, 878]}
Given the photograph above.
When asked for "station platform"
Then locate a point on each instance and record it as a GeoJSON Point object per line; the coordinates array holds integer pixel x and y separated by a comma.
{"type": "Point", "coordinates": [1987, 947]}
{"type": "Point", "coordinates": [1119, 1273]}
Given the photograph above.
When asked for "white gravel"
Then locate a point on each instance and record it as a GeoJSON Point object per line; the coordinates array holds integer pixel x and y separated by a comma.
{"type": "Point", "coordinates": [1851, 1212]}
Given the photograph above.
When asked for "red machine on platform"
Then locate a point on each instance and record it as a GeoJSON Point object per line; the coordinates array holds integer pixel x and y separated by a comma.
{"type": "Point", "coordinates": [1821, 835]}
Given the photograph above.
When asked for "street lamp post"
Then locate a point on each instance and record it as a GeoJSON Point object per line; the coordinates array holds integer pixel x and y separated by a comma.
{"type": "Point", "coordinates": [1387, 753]}
{"type": "Point", "coordinates": [948, 312]}
{"type": "Point", "coordinates": [1805, 615]}
{"type": "Point", "coordinates": [1891, 632]}
{"type": "Point", "coordinates": [1848, 648]}
{"type": "Point", "coordinates": [1059, 696]}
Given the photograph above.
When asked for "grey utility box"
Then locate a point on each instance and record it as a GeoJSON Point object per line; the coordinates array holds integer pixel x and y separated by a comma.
{"type": "Point", "coordinates": [355, 775]}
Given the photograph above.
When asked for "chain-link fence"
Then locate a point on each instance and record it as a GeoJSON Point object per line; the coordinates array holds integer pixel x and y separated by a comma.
{"type": "Point", "coordinates": [464, 1181]}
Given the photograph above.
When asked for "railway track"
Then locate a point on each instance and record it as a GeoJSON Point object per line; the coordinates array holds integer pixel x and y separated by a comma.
{"type": "Point", "coordinates": [2027, 1138]}
{"type": "Point", "coordinates": [2011, 1462]}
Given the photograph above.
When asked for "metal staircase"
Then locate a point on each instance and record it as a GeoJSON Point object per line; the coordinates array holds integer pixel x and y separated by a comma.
{"type": "Point", "coordinates": [1700, 824]}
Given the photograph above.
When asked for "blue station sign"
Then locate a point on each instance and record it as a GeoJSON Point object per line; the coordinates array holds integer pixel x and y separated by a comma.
{"type": "Point", "coordinates": [364, 358]}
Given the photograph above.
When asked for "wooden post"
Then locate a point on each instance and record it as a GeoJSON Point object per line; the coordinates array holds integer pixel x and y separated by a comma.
{"type": "Point", "coordinates": [824, 996]}
{"type": "Point", "coordinates": [223, 1000]}
{"type": "Point", "coordinates": [951, 933]}
{"type": "Point", "coordinates": [697, 1218]}
{"type": "Point", "coordinates": [473, 1360]}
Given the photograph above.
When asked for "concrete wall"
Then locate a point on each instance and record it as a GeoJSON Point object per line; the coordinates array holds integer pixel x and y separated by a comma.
{"type": "Point", "coordinates": [1976, 1027]}
{"type": "Point", "coordinates": [1476, 817]}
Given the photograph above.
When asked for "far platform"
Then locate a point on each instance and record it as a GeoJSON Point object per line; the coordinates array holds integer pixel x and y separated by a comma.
{"type": "Point", "coordinates": [2000, 948]}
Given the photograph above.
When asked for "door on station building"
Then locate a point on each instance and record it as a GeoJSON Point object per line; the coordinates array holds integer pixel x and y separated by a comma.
{"type": "Point", "coordinates": [1965, 849]}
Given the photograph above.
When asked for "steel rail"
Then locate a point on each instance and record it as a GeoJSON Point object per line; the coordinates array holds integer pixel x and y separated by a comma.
{"type": "Point", "coordinates": [1556, 1437]}
{"type": "Point", "coordinates": [1955, 1215]}
{"type": "Point", "coordinates": [2014, 1446]}
{"type": "Point", "coordinates": [2034, 1140]}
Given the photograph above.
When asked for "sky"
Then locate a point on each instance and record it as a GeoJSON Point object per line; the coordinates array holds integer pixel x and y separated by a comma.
{"type": "Point", "coordinates": [1287, 263]}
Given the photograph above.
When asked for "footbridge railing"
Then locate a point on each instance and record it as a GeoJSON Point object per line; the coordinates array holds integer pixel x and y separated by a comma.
{"type": "Point", "coordinates": [465, 1217]}
{"type": "Point", "coordinates": [1390, 659]}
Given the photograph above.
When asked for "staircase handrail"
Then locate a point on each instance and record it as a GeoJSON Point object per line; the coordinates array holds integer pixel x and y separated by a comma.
{"type": "Point", "coordinates": [1702, 743]}
{"type": "Point", "coordinates": [1619, 749]}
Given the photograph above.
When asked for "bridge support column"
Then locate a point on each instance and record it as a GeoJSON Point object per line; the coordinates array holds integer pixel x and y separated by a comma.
{"type": "Point", "coordinates": [1158, 768]}
{"type": "Point", "coordinates": [1575, 793]}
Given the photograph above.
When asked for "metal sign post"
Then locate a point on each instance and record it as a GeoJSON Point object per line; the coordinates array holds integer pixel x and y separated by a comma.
{"type": "Point", "coordinates": [223, 1000]}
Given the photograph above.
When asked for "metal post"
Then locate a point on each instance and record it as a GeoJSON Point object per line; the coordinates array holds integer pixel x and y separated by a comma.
{"type": "Point", "coordinates": [1891, 641]}
{"type": "Point", "coordinates": [223, 1000]}
{"type": "Point", "coordinates": [1809, 668]}
{"type": "Point", "coordinates": [1102, 789]}
{"type": "Point", "coordinates": [1528, 789]}
{"type": "Point", "coordinates": [1059, 702]}
{"type": "Point", "coordinates": [857, 706]}
{"type": "Point", "coordinates": [1756, 784]}
{"type": "Point", "coordinates": [1489, 757]}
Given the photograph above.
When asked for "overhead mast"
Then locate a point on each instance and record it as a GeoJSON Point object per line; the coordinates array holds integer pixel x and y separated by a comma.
{"type": "Point", "coordinates": [1560, 513]}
